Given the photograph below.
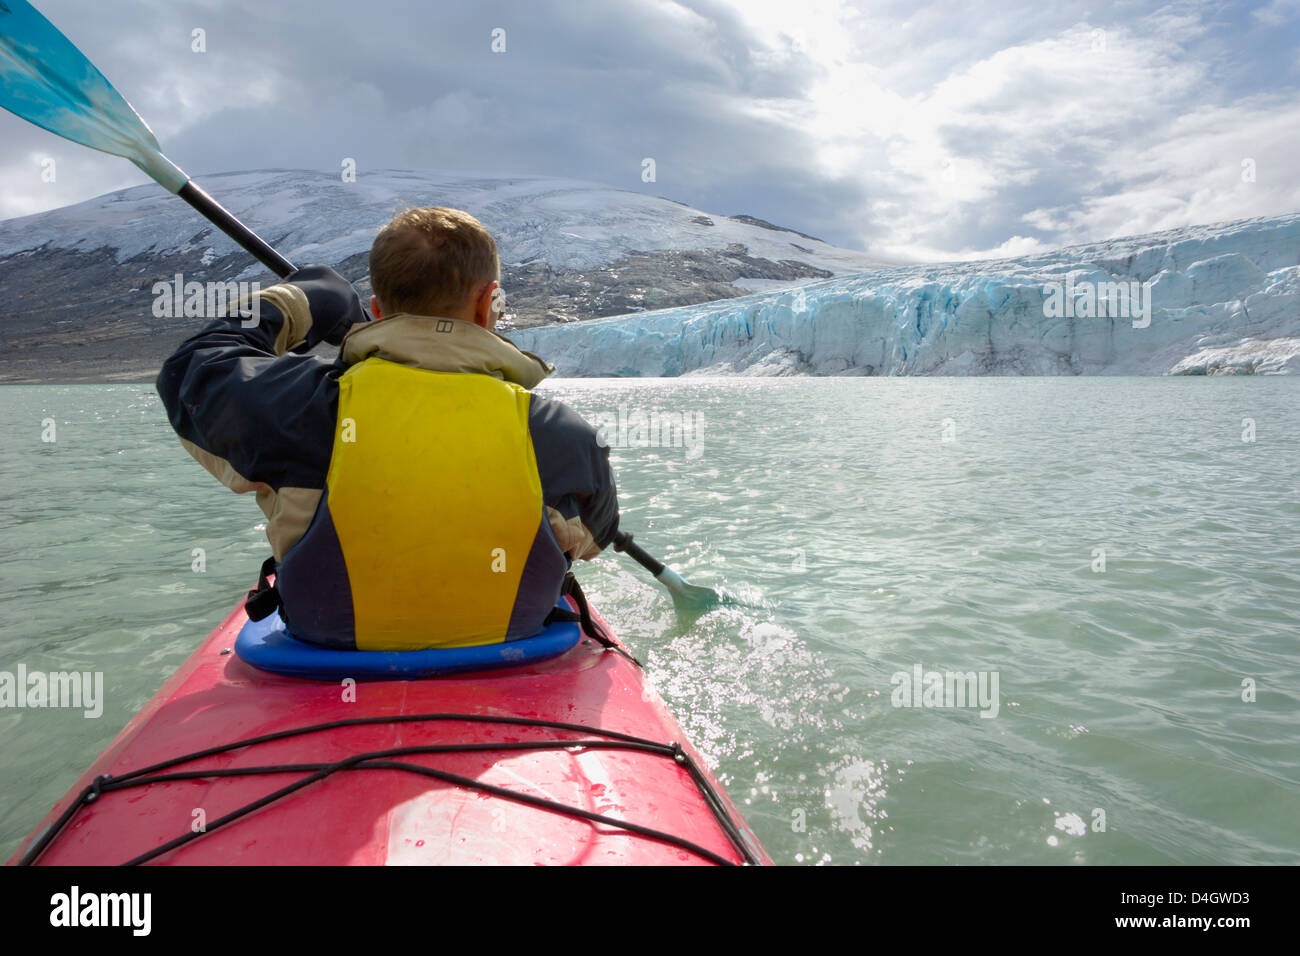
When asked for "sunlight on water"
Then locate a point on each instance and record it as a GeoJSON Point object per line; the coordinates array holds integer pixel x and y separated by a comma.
{"type": "Point", "coordinates": [1108, 553]}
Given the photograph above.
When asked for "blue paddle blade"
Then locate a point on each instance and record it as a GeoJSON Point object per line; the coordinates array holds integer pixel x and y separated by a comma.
{"type": "Point", "coordinates": [47, 81]}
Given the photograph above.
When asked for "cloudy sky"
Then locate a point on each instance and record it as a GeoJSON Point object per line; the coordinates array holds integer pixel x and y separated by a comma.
{"type": "Point", "coordinates": [949, 130]}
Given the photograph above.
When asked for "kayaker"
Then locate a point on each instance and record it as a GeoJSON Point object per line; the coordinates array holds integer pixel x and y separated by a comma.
{"type": "Point", "coordinates": [417, 494]}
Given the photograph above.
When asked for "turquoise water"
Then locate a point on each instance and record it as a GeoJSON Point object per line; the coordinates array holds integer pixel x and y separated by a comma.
{"type": "Point", "coordinates": [865, 527]}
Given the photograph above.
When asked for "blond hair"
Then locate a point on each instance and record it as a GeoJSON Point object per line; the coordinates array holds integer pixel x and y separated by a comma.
{"type": "Point", "coordinates": [429, 261]}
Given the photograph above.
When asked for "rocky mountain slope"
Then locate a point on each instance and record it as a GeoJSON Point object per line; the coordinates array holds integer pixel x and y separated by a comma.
{"type": "Point", "coordinates": [77, 302]}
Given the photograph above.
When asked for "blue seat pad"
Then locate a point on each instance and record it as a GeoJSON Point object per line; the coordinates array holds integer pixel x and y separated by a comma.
{"type": "Point", "coordinates": [268, 646]}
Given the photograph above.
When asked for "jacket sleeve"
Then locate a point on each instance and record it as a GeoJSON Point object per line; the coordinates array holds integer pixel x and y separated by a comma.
{"type": "Point", "coordinates": [255, 417]}
{"type": "Point", "coordinates": [577, 479]}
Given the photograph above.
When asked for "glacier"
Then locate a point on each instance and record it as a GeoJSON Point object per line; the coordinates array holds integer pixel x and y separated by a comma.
{"type": "Point", "coordinates": [1217, 299]}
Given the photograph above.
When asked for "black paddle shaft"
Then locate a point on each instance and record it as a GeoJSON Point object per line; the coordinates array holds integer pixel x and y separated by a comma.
{"type": "Point", "coordinates": [623, 542]}
{"type": "Point", "coordinates": [223, 219]}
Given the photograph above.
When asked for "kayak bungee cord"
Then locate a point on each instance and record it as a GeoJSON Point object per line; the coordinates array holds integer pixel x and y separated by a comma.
{"type": "Point", "coordinates": [378, 760]}
{"type": "Point", "coordinates": [49, 82]}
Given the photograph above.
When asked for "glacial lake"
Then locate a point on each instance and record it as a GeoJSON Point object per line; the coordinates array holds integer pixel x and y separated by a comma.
{"type": "Point", "coordinates": [1110, 567]}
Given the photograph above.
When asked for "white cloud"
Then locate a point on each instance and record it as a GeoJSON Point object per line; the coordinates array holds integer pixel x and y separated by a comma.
{"type": "Point", "coordinates": [78, 174]}
{"type": "Point", "coordinates": [1277, 13]}
{"type": "Point", "coordinates": [933, 131]}
{"type": "Point", "coordinates": [1120, 126]}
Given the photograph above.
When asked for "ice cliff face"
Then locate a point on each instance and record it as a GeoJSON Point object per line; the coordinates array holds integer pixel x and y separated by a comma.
{"type": "Point", "coordinates": [1222, 299]}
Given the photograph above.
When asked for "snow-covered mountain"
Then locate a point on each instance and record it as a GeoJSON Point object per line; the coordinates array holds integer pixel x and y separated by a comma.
{"type": "Point", "coordinates": [83, 275]}
{"type": "Point", "coordinates": [1222, 299]}
{"type": "Point", "coordinates": [315, 217]}
{"type": "Point", "coordinates": [77, 285]}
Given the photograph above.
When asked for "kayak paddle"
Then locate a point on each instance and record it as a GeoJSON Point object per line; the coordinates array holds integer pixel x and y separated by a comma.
{"type": "Point", "coordinates": [685, 595]}
{"type": "Point", "coordinates": [46, 80]}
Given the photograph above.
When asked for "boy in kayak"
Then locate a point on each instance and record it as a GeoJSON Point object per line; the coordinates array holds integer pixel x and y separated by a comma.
{"type": "Point", "coordinates": [417, 494]}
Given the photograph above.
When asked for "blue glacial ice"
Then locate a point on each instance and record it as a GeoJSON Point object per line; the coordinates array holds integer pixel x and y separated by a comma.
{"type": "Point", "coordinates": [1220, 299]}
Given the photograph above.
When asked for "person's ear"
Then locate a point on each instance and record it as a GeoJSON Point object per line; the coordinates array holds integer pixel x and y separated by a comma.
{"type": "Point", "coordinates": [375, 313]}
{"type": "Point", "coordinates": [485, 307]}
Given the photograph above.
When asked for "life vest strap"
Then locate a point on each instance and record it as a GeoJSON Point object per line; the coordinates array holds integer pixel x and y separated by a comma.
{"type": "Point", "coordinates": [583, 614]}
{"type": "Point", "coordinates": [264, 599]}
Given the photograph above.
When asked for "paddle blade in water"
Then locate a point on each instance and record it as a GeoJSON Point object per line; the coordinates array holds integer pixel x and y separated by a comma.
{"type": "Point", "coordinates": [47, 81]}
{"type": "Point", "coordinates": [687, 596]}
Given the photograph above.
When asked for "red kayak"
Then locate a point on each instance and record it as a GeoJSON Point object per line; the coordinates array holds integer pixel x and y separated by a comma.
{"type": "Point", "coordinates": [571, 760]}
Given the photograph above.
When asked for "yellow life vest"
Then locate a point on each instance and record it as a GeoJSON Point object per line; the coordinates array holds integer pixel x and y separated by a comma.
{"type": "Point", "coordinates": [435, 498]}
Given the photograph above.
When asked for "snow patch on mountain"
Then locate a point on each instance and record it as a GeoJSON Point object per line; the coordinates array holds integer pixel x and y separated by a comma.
{"type": "Point", "coordinates": [312, 216]}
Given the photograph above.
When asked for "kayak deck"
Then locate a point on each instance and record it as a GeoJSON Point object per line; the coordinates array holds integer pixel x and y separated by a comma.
{"type": "Point", "coordinates": [384, 815]}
